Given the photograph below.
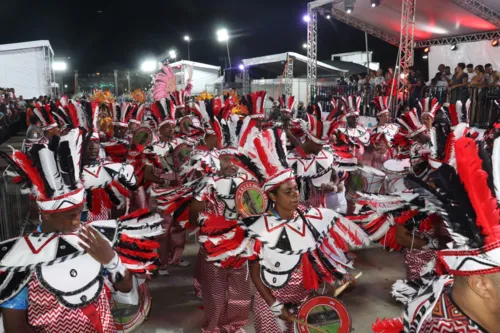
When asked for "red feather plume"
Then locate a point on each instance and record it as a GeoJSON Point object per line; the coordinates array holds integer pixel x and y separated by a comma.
{"type": "Point", "coordinates": [25, 164]}
{"type": "Point", "coordinates": [73, 115]}
{"type": "Point", "coordinates": [475, 180]}
{"type": "Point", "coordinates": [394, 325]}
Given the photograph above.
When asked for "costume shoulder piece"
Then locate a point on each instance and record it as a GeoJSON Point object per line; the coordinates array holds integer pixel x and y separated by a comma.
{"type": "Point", "coordinates": [317, 168]}
{"type": "Point", "coordinates": [63, 267]}
{"type": "Point", "coordinates": [314, 240]}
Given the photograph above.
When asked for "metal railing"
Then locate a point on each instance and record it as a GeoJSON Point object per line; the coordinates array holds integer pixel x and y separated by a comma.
{"type": "Point", "coordinates": [15, 209]}
{"type": "Point", "coordinates": [483, 109]}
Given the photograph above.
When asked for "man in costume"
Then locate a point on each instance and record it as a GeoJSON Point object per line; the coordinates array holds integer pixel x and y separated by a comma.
{"type": "Point", "coordinates": [464, 295]}
{"type": "Point", "coordinates": [382, 134]}
{"type": "Point", "coordinates": [53, 279]}
{"type": "Point", "coordinates": [226, 303]}
{"type": "Point", "coordinates": [313, 165]}
{"type": "Point", "coordinates": [354, 131]}
{"type": "Point", "coordinates": [283, 251]}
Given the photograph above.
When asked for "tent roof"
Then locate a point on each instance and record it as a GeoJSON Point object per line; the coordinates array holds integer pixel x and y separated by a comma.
{"type": "Point", "coordinates": [434, 18]}
{"type": "Point", "coordinates": [275, 64]}
{"type": "Point", "coordinates": [25, 45]}
{"type": "Point", "coordinates": [194, 64]}
{"type": "Point", "coordinates": [350, 67]}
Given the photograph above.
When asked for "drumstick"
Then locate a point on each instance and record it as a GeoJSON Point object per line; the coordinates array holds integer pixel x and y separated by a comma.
{"type": "Point", "coordinates": [343, 287]}
{"type": "Point", "coordinates": [312, 327]}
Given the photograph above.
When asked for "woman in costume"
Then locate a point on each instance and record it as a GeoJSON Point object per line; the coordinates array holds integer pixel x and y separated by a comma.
{"type": "Point", "coordinates": [382, 134]}
{"type": "Point", "coordinates": [53, 279]}
{"type": "Point", "coordinates": [292, 248]}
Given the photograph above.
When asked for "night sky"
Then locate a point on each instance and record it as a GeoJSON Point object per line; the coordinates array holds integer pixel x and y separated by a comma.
{"type": "Point", "coordinates": [127, 32]}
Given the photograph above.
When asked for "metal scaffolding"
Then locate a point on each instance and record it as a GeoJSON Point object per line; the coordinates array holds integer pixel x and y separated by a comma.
{"type": "Point", "coordinates": [459, 39]}
{"type": "Point", "coordinates": [246, 81]}
{"type": "Point", "coordinates": [289, 76]}
{"type": "Point", "coordinates": [352, 21]}
{"type": "Point", "coordinates": [481, 10]}
{"type": "Point", "coordinates": [407, 36]}
{"type": "Point", "coordinates": [312, 51]}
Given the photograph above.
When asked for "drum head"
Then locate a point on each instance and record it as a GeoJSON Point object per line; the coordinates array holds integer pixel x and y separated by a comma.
{"type": "Point", "coordinates": [181, 155]}
{"type": "Point", "coordinates": [326, 313]}
{"type": "Point", "coordinates": [397, 165]}
{"type": "Point", "coordinates": [129, 317]}
{"type": "Point", "coordinates": [185, 125]}
{"type": "Point", "coordinates": [250, 199]}
{"type": "Point", "coordinates": [143, 136]}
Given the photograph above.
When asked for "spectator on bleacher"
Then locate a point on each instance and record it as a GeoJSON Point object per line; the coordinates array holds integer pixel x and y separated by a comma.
{"type": "Point", "coordinates": [470, 72]}
{"type": "Point", "coordinates": [492, 76]}
{"type": "Point", "coordinates": [361, 80]}
{"type": "Point", "coordinates": [458, 84]}
{"type": "Point", "coordinates": [390, 83]}
{"type": "Point", "coordinates": [21, 101]}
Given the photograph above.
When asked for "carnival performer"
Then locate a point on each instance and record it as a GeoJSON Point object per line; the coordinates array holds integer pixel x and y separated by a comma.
{"type": "Point", "coordinates": [43, 115]}
{"type": "Point", "coordinates": [107, 184]}
{"type": "Point", "coordinates": [463, 296]}
{"type": "Point", "coordinates": [54, 277]}
{"type": "Point", "coordinates": [292, 248]}
{"type": "Point", "coordinates": [351, 128]}
{"type": "Point", "coordinates": [312, 164]}
{"type": "Point", "coordinates": [165, 160]}
{"type": "Point", "coordinates": [226, 303]}
{"type": "Point", "coordinates": [421, 145]}
{"type": "Point", "coordinates": [382, 134]}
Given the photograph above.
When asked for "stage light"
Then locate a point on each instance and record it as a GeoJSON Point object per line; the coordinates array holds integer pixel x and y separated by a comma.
{"type": "Point", "coordinates": [222, 35]}
{"type": "Point", "coordinates": [65, 86]}
{"type": "Point", "coordinates": [172, 54]}
{"type": "Point", "coordinates": [241, 67]}
{"type": "Point", "coordinates": [427, 49]}
{"type": "Point", "coordinates": [454, 46]}
{"type": "Point", "coordinates": [425, 57]}
{"type": "Point", "coordinates": [304, 45]}
{"type": "Point", "coordinates": [349, 6]}
{"type": "Point", "coordinates": [328, 17]}
{"type": "Point", "coordinates": [59, 66]}
{"type": "Point", "coordinates": [148, 66]}
{"type": "Point", "coordinates": [495, 42]}
{"type": "Point", "coordinates": [307, 18]}
{"type": "Point", "coordinates": [375, 3]}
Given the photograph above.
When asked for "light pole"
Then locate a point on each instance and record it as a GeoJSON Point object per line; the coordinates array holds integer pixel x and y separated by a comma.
{"type": "Point", "coordinates": [223, 36]}
{"type": "Point", "coordinates": [148, 66]}
{"type": "Point", "coordinates": [172, 54]}
{"type": "Point", "coordinates": [60, 66]}
{"type": "Point", "coordinates": [188, 40]}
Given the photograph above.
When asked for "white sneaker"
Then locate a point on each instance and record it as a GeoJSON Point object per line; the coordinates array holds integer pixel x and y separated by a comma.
{"type": "Point", "coordinates": [164, 272]}
{"type": "Point", "coordinates": [183, 263]}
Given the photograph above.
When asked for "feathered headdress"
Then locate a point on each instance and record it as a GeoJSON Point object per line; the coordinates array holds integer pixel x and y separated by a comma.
{"type": "Point", "coordinates": [265, 157]}
{"type": "Point", "coordinates": [320, 125]}
{"type": "Point", "coordinates": [52, 171]}
{"type": "Point", "coordinates": [351, 105]}
{"type": "Point", "coordinates": [163, 112]}
{"type": "Point", "coordinates": [161, 88]}
{"type": "Point", "coordinates": [287, 104]}
{"type": "Point", "coordinates": [122, 114]}
{"type": "Point", "coordinates": [381, 103]}
{"type": "Point", "coordinates": [467, 199]}
{"type": "Point", "coordinates": [66, 113]}
{"type": "Point", "coordinates": [410, 122]}
{"type": "Point", "coordinates": [139, 96]}
{"type": "Point", "coordinates": [44, 115]}
{"type": "Point", "coordinates": [430, 107]}
{"type": "Point", "coordinates": [255, 104]}
{"type": "Point", "coordinates": [206, 111]}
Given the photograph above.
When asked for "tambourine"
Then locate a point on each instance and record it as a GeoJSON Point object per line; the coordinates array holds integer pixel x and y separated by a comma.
{"type": "Point", "coordinates": [143, 136]}
{"type": "Point", "coordinates": [326, 313]}
{"type": "Point", "coordinates": [187, 123]}
{"type": "Point", "coordinates": [181, 155]}
{"type": "Point", "coordinates": [250, 199]}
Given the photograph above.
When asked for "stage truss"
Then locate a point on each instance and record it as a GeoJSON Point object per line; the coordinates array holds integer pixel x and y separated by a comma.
{"type": "Point", "coordinates": [406, 43]}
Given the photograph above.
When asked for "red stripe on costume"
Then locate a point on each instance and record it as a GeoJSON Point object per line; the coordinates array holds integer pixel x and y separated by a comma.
{"type": "Point", "coordinates": [263, 154]}
{"type": "Point", "coordinates": [311, 279]}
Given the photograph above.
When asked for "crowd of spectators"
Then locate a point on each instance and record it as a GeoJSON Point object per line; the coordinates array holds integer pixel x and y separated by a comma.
{"type": "Point", "coordinates": [12, 111]}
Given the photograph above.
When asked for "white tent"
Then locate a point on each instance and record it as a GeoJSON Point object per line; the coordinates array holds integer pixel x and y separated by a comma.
{"type": "Point", "coordinates": [203, 75]}
{"type": "Point", "coordinates": [27, 67]}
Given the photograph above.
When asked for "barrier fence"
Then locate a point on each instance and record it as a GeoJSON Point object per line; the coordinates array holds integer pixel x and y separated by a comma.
{"type": "Point", "coordinates": [484, 109]}
{"type": "Point", "coordinates": [15, 210]}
